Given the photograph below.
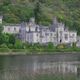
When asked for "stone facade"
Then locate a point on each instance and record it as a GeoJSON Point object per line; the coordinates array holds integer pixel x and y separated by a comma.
{"type": "Point", "coordinates": [30, 32]}
{"type": "Point", "coordinates": [11, 28]}
{"type": "Point", "coordinates": [57, 33]}
{"type": "Point", "coordinates": [78, 41]}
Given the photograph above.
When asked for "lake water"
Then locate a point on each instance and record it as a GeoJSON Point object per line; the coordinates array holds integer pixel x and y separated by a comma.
{"type": "Point", "coordinates": [40, 67]}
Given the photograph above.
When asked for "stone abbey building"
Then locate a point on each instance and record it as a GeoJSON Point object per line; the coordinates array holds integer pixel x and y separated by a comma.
{"type": "Point", "coordinates": [30, 32]}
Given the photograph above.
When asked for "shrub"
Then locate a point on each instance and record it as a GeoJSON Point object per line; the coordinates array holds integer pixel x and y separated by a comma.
{"type": "Point", "coordinates": [3, 46]}
{"type": "Point", "coordinates": [17, 50]}
{"type": "Point", "coordinates": [61, 46]}
{"type": "Point", "coordinates": [10, 46]}
{"type": "Point", "coordinates": [18, 45]}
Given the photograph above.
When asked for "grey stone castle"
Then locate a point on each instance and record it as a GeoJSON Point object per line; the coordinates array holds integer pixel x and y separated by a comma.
{"type": "Point", "coordinates": [30, 32]}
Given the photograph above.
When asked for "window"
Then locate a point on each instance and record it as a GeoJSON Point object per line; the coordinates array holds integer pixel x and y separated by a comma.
{"type": "Point", "coordinates": [41, 36]}
{"type": "Point", "coordinates": [60, 32]}
{"type": "Point", "coordinates": [51, 34]}
{"type": "Point", "coordinates": [14, 29]}
{"type": "Point", "coordinates": [54, 38]}
{"type": "Point", "coordinates": [66, 36]}
{"type": "Point", "coordinates": [8, 29]}
{"type": "Point", "coordinates": [19, 30]}
{"type": "Point", "coordinates": [73, 35]}
{"type": "Point", "coordinates": [36, 34]}
{"type": "Point", "coordinates": [36, 29]}
{"type": "Point", "coordinates": [47, 34]}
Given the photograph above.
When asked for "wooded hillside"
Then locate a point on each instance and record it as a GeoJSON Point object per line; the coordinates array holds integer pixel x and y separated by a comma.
{"type": "Point", "coordinates": [67, 11]}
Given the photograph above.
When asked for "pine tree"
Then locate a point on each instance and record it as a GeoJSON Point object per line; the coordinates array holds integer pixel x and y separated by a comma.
{"type": "Point", "coordinates": [37, 12]}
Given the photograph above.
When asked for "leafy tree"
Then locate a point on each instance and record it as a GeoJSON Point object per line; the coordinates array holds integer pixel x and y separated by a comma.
{"type": "Point", "coordinates": [37, 11]}
{"type": "Point", "coordinates": [18, 44]}
{"type": "Point", "coordinates": [1, 28]}
{"type": "Point", "coordinates": [68, 11]}
{"type": "Point", "coordinates": [27, 45]}
{"type": "Point", "coordinates": [6, 2]}
{"type": "Point", "coordinates": [10, 46]}
{"type": "Point", "coordinates": [6, 38]}
{"type": "Point", "coordinates": [50, 46]}
{"type": "Point", "coordinates": [12, 39]}
{"type": "Point", "coordinates": [1, 39]}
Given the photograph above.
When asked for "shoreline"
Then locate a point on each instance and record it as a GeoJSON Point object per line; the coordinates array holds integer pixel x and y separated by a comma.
{"type": "Point", "coordinates": [38, 53]}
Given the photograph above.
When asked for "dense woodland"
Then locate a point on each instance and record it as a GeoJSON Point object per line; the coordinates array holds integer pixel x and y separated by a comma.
{"type": "Point", "coordinates": [67, 11]}
{"type": "Point", "coordinates": [16, 11]}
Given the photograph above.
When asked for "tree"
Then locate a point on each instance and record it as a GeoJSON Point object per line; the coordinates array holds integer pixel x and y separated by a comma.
{"type": "Point", "coordinates": [18, 44]}
{"type": "Point", "coordinates": [1, 36]}
{"type": "Point", "coordinates": [50, 45]}
{"type": "Point", "coordinates": [37, 12]}
{"type": "Point", "coordinates": [6, 38]}
{"type": "Point", "coordinates": [1, 39]}
{"type": "Point", "coordinates": [1, 28]}
{"type": "Point", "coordinates": [6, 2]}
{"type": "Point", "coordinates": [12, 39]}
{"type": "Point", "coordinates": [10, 46]}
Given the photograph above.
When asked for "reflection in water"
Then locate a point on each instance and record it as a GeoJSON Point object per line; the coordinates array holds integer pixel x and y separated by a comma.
{"type": "Point", "coordinates": [55, 68]}
{"type": "Point", "coordinates": [78, 71]}
{"type": "Point", "coordinates": [32, 67]}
